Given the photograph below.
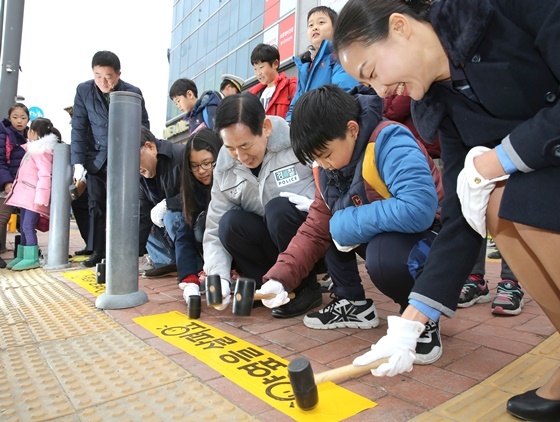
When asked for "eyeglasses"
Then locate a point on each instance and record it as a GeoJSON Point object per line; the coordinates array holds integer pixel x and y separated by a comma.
{"type": "Point", "coordinates": [203, 166]}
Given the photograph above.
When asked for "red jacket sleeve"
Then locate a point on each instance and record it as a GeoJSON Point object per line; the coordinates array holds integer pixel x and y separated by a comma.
{"type": "Point", "coordinates": [308, 246]}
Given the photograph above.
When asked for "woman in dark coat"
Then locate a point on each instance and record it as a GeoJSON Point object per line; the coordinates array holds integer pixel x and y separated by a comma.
{"type": "Point", "coordinates": [485, 74]}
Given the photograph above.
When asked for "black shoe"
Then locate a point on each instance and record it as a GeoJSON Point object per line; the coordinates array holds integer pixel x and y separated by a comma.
{"type": "Point", "coordinates": [529, 406]}
{"type": "Point", "coordinates": [95, 258]}
{"type": "Point", "coordinates": [428, 346]}
{"type": "Point", "coordinates": [170, 269]}
{"type": "Point", "coordinates": [84, 251]}
{"type": "Point", "coordinates": [2, 263]}
{"type": "Point", "coordinates": [304, 301]}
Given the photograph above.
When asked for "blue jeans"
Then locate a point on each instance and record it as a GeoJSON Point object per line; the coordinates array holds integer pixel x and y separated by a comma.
{"type": "Point", "coordinates": [161, 241]}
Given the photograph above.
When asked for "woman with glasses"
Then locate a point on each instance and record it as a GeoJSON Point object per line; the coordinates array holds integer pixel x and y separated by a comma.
{"type": "Point", "coordinates": [199, 160]}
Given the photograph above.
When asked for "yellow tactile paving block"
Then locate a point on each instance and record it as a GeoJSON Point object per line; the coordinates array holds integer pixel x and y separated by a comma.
{"type": "Point", "coordinates": [62, 359]}
{"type": "Point", "coordinates": [29, 390]}
{"type": "Point", "coordinates": [479, 403]}
{"type": "Point", "coordinates": [184, 400]}
{"type": "Point", "coordinates": [487, 401]}
{"type": "Point", "coordinates": [525, 373]}
{"type": "Point", "coordinates": [549, 348]}
{"type": "Point", "coordinates": [52, 310]}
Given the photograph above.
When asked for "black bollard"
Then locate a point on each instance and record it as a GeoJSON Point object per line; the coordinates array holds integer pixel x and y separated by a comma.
{"type": "Point", "coordinates": [214, 290]}
{"type": "Point", "coordinates": [243, 296]}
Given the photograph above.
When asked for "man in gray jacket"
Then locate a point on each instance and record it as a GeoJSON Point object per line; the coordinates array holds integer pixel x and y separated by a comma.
{"type": "Point", "coordinates": [249, 222]}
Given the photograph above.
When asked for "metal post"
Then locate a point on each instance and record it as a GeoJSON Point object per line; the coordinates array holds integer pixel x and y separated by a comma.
{"type": "Point", "coordinates": [59, 221]}
{"type": "Point", "coordinates": [11, 49]}
{"type": "Point", "coordinates": [123, 210]}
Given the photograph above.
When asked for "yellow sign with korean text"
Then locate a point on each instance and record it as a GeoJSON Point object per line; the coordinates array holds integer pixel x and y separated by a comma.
{"type": "Point", "coordinates": [258, 371]}
{"type": "Point", "coordinates": [85, 279]}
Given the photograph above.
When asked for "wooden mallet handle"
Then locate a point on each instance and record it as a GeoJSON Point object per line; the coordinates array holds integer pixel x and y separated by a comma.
{"type": "Point", "coordinates": [268, 296]}
{"type": "Point", "coordinates": [347, 371]}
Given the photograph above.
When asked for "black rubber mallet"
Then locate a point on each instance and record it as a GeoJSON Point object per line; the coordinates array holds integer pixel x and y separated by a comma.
{"type": "Point", "coordinates": [245, 295]}
{"type": "Point", "coordinates": [214, 290]}
{"type": "Point", "coordinates": [304, 382]}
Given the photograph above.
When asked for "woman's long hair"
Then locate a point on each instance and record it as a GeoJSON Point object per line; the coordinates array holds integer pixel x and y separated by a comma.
{"type": "Point", "coordinates": [204, 139]}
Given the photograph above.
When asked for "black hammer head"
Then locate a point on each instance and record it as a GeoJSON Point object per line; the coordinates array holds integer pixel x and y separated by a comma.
{"type": "Point", "coordinates": [303, 384]}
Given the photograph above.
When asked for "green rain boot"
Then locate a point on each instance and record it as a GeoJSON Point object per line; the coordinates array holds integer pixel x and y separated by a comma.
{"type": "Point", "coordinates": [30, 259]}
{"type": "Point", "coordinates": [18, 258]}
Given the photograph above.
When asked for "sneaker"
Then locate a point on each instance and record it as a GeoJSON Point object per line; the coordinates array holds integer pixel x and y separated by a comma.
{"type": "Point", "coordinates": [495, 254]}
{"type": "Point", "coordinates": [145, 263]}
{"type": "Point", "coordinates": [342, 313]}
{"type": "Point", "coordinates": [473, 292]}
{"type": "Point", "coordinates": [509, 298]}
{"type": "Point", "coordinates": [428, 346]}
{"type": "Point", "coordinates": [170, 269]}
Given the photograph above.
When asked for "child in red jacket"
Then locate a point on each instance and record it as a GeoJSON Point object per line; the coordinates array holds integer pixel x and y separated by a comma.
{"type": "Point", "coordinates": [274, 90]}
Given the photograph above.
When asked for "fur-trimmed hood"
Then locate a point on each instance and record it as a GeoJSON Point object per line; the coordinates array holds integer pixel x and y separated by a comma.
{"type": "Point", "coordinates": [460, 26]}
{"type": "Point", "coordinates": [42, 145]}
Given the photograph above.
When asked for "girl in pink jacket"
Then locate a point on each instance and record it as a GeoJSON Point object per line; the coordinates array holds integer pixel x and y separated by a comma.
{"type": "Point", "coordinates": [31, 191]}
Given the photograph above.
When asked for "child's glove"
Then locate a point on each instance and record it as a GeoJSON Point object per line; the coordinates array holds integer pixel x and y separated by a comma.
{"type": "Point", "coordinates": [158, 212]}
{"type": "Point", "coordinates": [399, 345]}
{"type": "Point", "coordinates": [301, 202]}
{"type": "Point", "coordinates": [474, 191]}
{"type": "Point", "coordinates": [275, 287]}
{"type": "Point", "coordinates": [226, 295]}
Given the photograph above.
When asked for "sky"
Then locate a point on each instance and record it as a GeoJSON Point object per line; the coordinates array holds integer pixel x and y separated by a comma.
{"type": "Point", "coordinates": [60, 38]}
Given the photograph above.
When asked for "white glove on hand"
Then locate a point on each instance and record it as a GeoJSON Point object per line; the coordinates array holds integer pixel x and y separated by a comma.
{"type": "Point", "coordinates": [273, 286]}
{"type": "Point", "coordinates": [474, 191]}
{"type": "Point", "coordinates": [302, 203]}
{"type": "Point", "coordinates": [344, 248]}
{"type": "Point", "coordinates": [226, 295]}
{"type": "Point", "coordinates": [399, 345]}
{"type": "Point", "coordinates": [79, 172]}
{"type": "Point", "coordinates": [158, 212]}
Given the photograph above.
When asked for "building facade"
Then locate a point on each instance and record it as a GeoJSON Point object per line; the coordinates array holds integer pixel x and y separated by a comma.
{"type": "Point", "coordinates": [213, 37]}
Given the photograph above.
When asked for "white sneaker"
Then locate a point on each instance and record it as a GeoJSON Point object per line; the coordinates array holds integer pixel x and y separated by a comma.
{"type": "Point", "coordinates": [145, 264]}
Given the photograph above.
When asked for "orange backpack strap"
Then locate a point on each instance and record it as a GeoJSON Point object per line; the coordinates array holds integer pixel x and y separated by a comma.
{"type": "Point", "coordinates": [369, 167]}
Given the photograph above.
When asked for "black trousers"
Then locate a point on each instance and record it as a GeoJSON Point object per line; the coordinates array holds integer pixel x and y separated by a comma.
{"type": "Point", "coordinates": [255, 242]}
{"type": "Point", "coordinates": [97, 202]}
{"type": "Point", "coordinates": [80, 209]}
{"type": "Point", "coordinates": [393, 261]}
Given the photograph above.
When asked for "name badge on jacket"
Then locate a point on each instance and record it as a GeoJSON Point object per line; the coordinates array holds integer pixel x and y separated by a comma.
{"type": "Point", "coordinates": [286, 176]}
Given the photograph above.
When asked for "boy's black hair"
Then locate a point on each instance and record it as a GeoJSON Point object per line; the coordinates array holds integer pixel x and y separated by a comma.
{"type": "Point", "coordinates": [106, 58]}
{"type": "Point", "coordinates": [243, 108]}
{"type": "Point", "coordinates": [265, 53]}
{"type": "Point", "coordinates": [331, 13]}
{"type": "Point", "coordinates": [319, 117]}
{"type": "Point", "coordinates": [181, 86]}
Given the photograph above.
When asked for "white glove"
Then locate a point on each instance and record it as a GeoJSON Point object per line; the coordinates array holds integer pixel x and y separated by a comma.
{"type": "Point", "coordinates": [158, 212]}
{"type": "Point", "coordinates": [474, 191]}
{"type": "Point", "coordinates": [79, 172]}
{"type": "Point", "coordinates": [302, 203]}
{"type": "Point", "coordinates": [273, 286]}
{"type": "Point", "coordinates": [226, 295]}
{"type": "Point", "coordinates": [344, 248]}
{"type": "Point", "coordinates": [399, 345]}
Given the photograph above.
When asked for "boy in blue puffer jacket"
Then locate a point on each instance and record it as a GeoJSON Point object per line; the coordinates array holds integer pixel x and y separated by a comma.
{"type": "Point", "coordinates": [318, 66]}
{"type": "Point", "coordinates": [378, 197]}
